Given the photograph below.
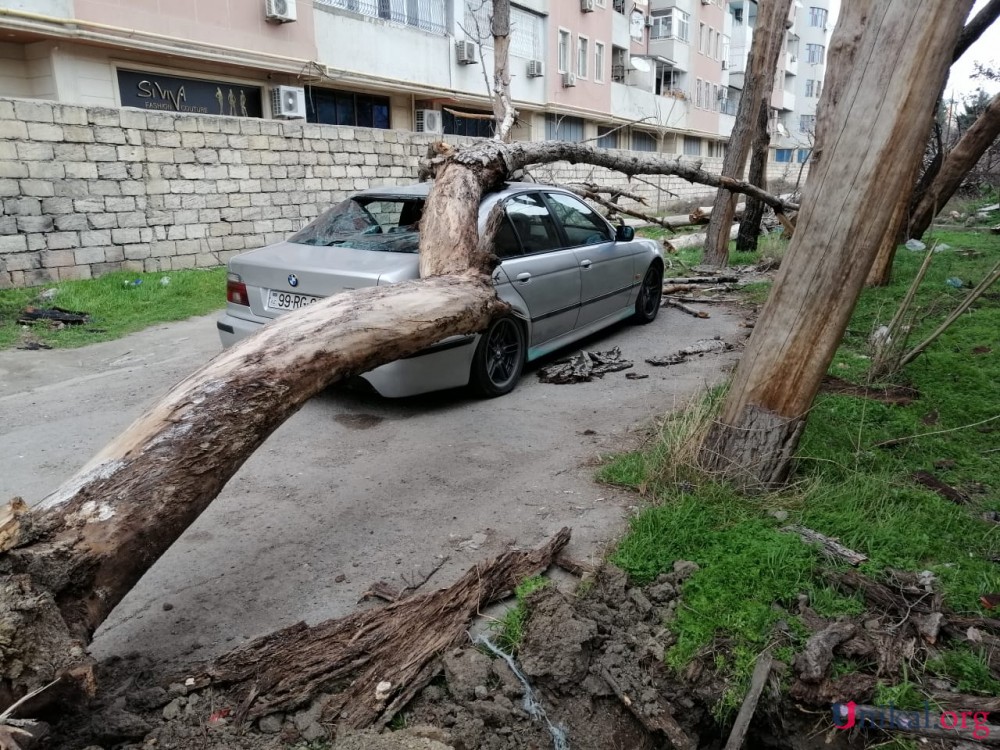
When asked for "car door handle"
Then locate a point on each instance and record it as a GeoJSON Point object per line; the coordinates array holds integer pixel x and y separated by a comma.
{"type": "Point", "coordinates": [524, 277]}
{"type": "Point", "coordinates": [585, 264]}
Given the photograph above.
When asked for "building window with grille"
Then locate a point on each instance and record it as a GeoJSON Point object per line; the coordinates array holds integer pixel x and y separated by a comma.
{"type": "Point", "coordinates": [807, 123]}
{"type": "Point", "coordinates": [564, 39]}
{"type": "Point", "coordinates": [607, 137]}
{"type": "Point", "coordinates": [817, 18]}
{"type": "Point", "coordinates": [477, 124]}
{"type": "Point", "coordinates": [783, 155]}
{"type": "Point", "coordinates": [560, 128]}
{"type": "Point", "coordinates": [803, 155]}
{"type": "Point", "coordinates": [815, 54]}
{"type": "Point", "coordinates": [582, 51]}
{"type": "Point", "coordinates": [618, 64]}
{"type": "Point", "coordinates": [692, 145]}
{"type": "Point", "coordinates": [810, 84]}
{"type": "Point", "coordinates": [331, 107]}
{"type": "Point", "coordinates": [643, 141]}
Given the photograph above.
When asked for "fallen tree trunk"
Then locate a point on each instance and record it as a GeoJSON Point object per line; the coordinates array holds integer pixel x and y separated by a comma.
{"type": "Point", "coordinates": [348, 658]}
{"type": "Point", "coordinates": [694, 240]}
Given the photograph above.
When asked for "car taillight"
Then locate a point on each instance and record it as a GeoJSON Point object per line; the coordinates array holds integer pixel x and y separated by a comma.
{"type": "Point", "coordinates": [236, 290]}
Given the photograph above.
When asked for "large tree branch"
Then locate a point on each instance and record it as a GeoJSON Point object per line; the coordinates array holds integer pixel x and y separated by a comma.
{"type": "Point", "coordinates": [975, 28]}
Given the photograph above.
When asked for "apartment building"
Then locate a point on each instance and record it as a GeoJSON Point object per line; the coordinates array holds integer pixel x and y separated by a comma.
{"type": "Point", "coordinates": [648, 75]}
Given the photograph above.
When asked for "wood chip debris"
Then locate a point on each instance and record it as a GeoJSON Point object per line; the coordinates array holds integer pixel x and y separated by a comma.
{"type": "Point", "coordinates": [697, 349]}
{"type": "Point", "coordinates": [584, 367]}
{"type": "Point", "coordinates": [53, 314]}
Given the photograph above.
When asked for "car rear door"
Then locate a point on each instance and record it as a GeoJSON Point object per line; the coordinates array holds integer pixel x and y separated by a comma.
{"type": "Point", "coordinates": [606, 267]}
{"type": "Point", "coordinates": [545, 274]}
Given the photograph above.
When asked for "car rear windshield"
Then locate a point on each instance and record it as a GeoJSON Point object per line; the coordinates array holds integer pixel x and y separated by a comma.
{"type": "Point", "coordinates": [384, 223]}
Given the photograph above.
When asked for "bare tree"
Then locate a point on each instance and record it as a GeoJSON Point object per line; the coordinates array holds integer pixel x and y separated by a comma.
{"type": "Point", "coordinates": [889, 59]}
{"type": "Point", "coordinates": [768, 44]}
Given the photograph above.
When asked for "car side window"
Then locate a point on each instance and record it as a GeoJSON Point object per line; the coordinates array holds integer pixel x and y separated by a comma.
{"type": "Point", "coordinates": [533, 223]}
{"type": "Point", "coordinates": [505, 243]}
{"type": "Point", "coordinates": [580, 223]}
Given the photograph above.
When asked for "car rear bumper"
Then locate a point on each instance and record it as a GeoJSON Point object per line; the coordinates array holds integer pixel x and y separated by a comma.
{"type": "Point", "coordinates": [445, 365]}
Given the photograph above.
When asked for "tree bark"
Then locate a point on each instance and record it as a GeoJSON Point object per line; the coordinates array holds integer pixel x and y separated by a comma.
{"type": "Point", "coordinates": [768, 43]}
{"type": "Point", "coordinates": [503, 105]}
{"type": "Point", "coordinates": [888, 60]}
{"type": "Point", "coordinates": [753, 214]}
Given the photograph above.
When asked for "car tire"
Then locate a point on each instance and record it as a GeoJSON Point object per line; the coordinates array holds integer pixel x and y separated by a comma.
{"type": "Point", "coordinates": [647, 304]}
{"type": "Point", "coordinates": [499, 358]}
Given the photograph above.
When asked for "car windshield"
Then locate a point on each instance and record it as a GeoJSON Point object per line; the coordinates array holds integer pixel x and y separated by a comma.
{"type": "Point", "coordinates": [385, 223]}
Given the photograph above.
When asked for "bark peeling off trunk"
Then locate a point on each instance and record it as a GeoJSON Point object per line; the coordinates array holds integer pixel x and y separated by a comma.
{"type": "Point", "coordinates": [95, 536]}
{"type": "Point", "coordinates": [762, 457]}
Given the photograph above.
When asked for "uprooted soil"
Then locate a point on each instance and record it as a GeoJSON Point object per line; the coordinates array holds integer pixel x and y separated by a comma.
{"type": "Point", "coordinates": [592, 677]}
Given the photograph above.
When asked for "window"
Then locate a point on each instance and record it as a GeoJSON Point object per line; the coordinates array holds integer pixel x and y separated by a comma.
{"type": "Point", "coordinates": [715, 97]}
{"type": "Point", "coordinates": [807, 123]}
{"type": "Point", "coordinates": [505, 241]}
{"type": "Point", "coordinates": [817, 18]}
{"type": "Point", "coordinates": [803, 155]}
{"type": "Point", "coordinates": [698, 99]}
{"type": "Point", "coordinates": [331, 107]}
{"type": "Point", "coordinates": [810, 85]}
{"type": "Point", "coordinates": [479, 127]}
{"type": "Point", "coordinates": [725, 51]}
{"type": "Point", "coordinates": [526, 29]}
{"type": "Point", "coordinates": [671, 24]}
{"type": "Point", "coordinates": [607, 137]}
{"type": "Point", "coordinates": [702, 32]}
{"type": "Point", "coordinates": [692, 145]}
{"type": "Point", "coordinates": [563, 51]}
{"type": "Point", "coordinates": [783, 155]}
{"type": "Point", "coordinates": [582, 51]}
{"type": "Point", "coordinates": [819, 88]}
{"type": "Point", "coordinates": [558, 128]}
{"type": "Point", "coordinates": [578, 220]}
{"type": "Point", "coordinates": [716, 44]}
{"type": "Point", "coordinates": [618, 64]}
{"type": "Point", "coordinates": [643, 141]}
{"type": "Point", "coordinates": [532, 223]}
{"type": "Point", "coordinates": [814, 53]}
{"type": "Point", "coordinates": [599, 62]}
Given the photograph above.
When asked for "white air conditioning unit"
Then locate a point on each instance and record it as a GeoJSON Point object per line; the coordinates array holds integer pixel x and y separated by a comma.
{"type": "Point", "coordinates": [587, 6]}
{"type": "Point", "coordinates": [466, 53]}
{"type": "Point", "coordinates": [288, 102]}
{"type": "Point", "coordinates": [428, 121]}
{"type": "Point", "coordinates": [280, 11]}
{"type": "Point", "coordinates": [536, 69]}
{"type": "Point", "coordinates": [569, 80]}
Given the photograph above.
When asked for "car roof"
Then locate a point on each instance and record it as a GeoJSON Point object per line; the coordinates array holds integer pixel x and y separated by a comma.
{"type": "Point", "coordinates": [421, 189]}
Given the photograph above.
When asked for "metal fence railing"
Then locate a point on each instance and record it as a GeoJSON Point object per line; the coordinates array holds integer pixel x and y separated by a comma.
{"type": "Point", "coordinates": [427, 15]}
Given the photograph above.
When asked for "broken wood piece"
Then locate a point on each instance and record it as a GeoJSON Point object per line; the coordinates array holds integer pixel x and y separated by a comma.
{"type": "Point", "coordinates": [675, 288]}
{"type": "Point", "coordinates": [574, 566]}
{"type": "Point", "coordinates": [813, 663]}
{"type": "Point", "coordinates": [788, 224]}
{"type": "Point", "coordinates": [761, 671]}
{"type": "Point", "coordinates": [381, 590]}
{"type": "Point", "coordinates": [828, 545]}
{"type": "Point", "coordinates": [670, 302]}
{"type": "Point", "coordinates": [10, 527]}
{"type": "Point", "coordinates": [672, 359]}
{"type": "Point", "coordinates": [934, 484]}
{"type": "Point", "coordinates": [584, 367]}
{"type": "Point", "coordinates": [349, 657]}
{"type": "Point", "coordinates": [701, 300]}
{"type": "Point", "coordinates": [663, 721]}
{"type": "Point", "coordinates": [55, 314]}
{"type": "Point", "coordinates": [702, 280]}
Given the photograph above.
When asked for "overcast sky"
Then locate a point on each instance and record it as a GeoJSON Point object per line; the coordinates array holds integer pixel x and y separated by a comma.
{"type": "Point", "coordinates": [985, 51]}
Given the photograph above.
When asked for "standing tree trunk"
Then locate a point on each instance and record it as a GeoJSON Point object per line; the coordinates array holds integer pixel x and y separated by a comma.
{"type": "Point", "coordinates": [753, 214]}
{"type": "Point", "coordinates": [503, 106]}
{"type": "Point", "coordinates": [889, 59]}
{"type": "Point", "coordinates": [768, 44]}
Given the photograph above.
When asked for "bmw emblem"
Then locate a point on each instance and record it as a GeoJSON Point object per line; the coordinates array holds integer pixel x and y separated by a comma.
{"type": "Point", "coordinates": [293, 280]}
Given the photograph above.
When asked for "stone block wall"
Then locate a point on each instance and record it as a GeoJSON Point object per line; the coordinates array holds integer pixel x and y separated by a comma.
{"type": "Point", "coordinates": [85, 190]}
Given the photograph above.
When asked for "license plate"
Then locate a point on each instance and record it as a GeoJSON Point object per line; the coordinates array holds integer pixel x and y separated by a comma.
{"type": "Point", "coordinates": [277, 300]}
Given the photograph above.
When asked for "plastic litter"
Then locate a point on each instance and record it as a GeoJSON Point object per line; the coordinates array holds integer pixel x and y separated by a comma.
{"type": "Point", "coordinates": [916, 246]}
{"type": "Point", "coordinates": [940, 248]}
{"type": "Point", "coordinates": [530, 704]}
{"type": "Point", "coordinates": [954, 281]}
{"type": "Point", "coordinates": [134, 282]}
{"type": "Point", "coordinates": [165, 281]}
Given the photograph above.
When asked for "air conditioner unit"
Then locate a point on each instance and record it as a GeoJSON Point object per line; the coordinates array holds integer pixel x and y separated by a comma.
{"type": "Point", "coordinates": [569, 80]}
{"type": "Point", "coordinates": [587, 6]}
{"type": "Point", "coordinates": [280, 11]}
{"type": "Point", "coordinates": [466, 53]}
{"type": "Point", "coordinates": [536, 68]}
{"type": "Point", "coordinates": [428, 121]}
{"type": "Point", "coordinates": [288, 102]}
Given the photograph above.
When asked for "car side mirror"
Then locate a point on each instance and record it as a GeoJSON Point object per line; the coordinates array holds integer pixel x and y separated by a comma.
{"type": "Point", "coordinates": [624, 233]}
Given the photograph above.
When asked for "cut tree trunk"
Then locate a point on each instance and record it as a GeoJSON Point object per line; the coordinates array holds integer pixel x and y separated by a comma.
{"type": "Point", "coordinates": [767, 46]}
{"type": "Point", "coordinates": [503, 105]}
{"type": "Point", "coordinates": [889, 59]}
{"type": "Point", "coordinates": [753, 215]}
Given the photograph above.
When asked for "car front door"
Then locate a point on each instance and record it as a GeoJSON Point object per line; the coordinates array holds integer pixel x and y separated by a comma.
{"type": "Point", "coordinates": [606, 267]}
{"type": "Point", "coordinates": [545, 274]}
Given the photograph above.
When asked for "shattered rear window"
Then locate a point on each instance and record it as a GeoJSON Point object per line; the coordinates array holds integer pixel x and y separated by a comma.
{"type": "Point", "coordinates": [383, 223]}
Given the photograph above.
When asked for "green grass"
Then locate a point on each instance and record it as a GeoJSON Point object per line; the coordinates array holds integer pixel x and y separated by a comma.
{"type": "Point", "coordinates": [510, 627]}
{"type": "Point", "coordinates": [966, 669]}
{"type": "Point", "coordinates": [116, 305]}
{"type": "Point", "coordinates": [844, 486]}
{"type": "Point", "coordinates": [770, 247]}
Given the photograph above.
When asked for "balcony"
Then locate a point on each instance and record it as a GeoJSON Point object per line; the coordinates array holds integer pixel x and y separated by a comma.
{"type": "Point", "coordinates": [631, 103]}
{"type": "Point", "coordinates": [791, 64]}
{"type": "Point", "coordinates": [426, 15]}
